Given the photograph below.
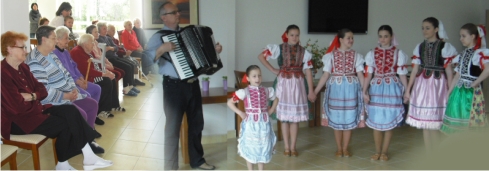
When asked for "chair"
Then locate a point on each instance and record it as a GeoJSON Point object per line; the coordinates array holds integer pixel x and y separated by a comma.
{"type": "Point", "coordinates": [239, 85]}
{"type": "Point", "coordinates": [119, 33]}
{"type": "Point", "coordinates": [238, 75]}
{"type": "Point", "coordinates": [71, 44]}
{"type": "Point", "coordinates": [31, 142]}
{"type": "Point", "coordinates": [33, 43]}
{"type": "Point", "coordinates": [9, 155]}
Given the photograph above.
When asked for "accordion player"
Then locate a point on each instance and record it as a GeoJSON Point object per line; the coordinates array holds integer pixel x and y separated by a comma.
{"type": "Point", "coordinates": [194, 52]}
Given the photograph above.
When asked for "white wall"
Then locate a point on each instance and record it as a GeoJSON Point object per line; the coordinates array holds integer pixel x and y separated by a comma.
{"type": "Point", "coordinates": [262, 22]}
{"type": "Point", "coordinates": [15, 16]}
{"type": "Point", "coordinates": [48, 8]}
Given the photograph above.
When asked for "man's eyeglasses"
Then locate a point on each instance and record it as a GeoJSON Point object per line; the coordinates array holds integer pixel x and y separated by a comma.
{"type": "Point", "coordinates": [21, 47]}
{"type": "Point", "coordinates": [173, 13]}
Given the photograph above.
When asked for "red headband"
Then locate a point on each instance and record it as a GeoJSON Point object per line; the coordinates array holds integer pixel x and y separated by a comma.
{"type": "Point", "coordinates": [479, 39]}
{"type": "Point", "coordinates": [244, 79]}
{"type": "Point", "coordinates": [284, 37]}
{"type": "Point", "coordinates": [334, 44]}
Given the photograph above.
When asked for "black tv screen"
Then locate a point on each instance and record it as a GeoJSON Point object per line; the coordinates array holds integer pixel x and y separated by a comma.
{"type": "Point", "coordinates": [329, 16]}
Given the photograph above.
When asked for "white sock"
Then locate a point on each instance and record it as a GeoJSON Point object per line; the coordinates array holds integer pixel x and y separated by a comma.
{"type": "Point", "coordinates": [127, 89]}
{"type": "Point", "coordinates": [64, 166]}
{"type": "Point", "coordinates": [89, 157]}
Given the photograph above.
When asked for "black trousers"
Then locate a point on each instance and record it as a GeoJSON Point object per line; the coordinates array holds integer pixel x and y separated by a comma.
{"type": "Point", "coordinates": [67, 125]}
{"type": "Point", "coordinates": [179, 98]}
{"type": "Point", "coordinates": [128, 79]}
{"type": "Point", "coordinates": [108, 97]}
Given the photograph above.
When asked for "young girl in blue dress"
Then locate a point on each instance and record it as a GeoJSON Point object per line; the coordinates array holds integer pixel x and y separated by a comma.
{"type": "Point", "coordinates": [343, 101]}
{"type": "Point", "coordinates": [383, 94]}
{"type": "Point", "coordinates": [256, 138]}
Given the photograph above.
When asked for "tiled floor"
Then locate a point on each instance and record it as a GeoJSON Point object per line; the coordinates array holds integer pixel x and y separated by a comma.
{"type": "Point", "coordinates": [134, 141]}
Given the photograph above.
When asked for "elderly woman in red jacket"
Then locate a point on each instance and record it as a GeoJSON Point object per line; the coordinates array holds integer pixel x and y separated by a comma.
{"type": "Point", "coordinates": [109, 98]}
{"type": "Point", "coordinates": [23, 113]}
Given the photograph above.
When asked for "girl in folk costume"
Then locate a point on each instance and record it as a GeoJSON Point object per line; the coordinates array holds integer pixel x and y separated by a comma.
{"type": "Point", "coordinates": [343, 102]}
{"type": "Point", "coordinates": [429, 79]}
{"type": "Point", "coordinates": [256, 139]}
{"type": "Point", "coordinates": [291, 88]}
{"type": "Point", "coordinates": [465, 108]}
{"type": "Point", "coordinates": [384, 98]}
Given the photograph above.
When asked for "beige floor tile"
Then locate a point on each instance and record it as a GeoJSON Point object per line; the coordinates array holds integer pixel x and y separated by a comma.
{"type": "Point", "coordinates": [110, 132]}
{"type": "Point", "coordinates": [142, 124]}
{"type": "Point", "coordinates": [136, 135]}
{"type": "Point", "coordinates": [131, 148]}
{"type": "Point", "coordinates": [128, 114]}
{"type": "Point", "coordinates": [106, 143]}
{"type": "Point", "coordinates": [152, 107]}
{"type": "Point", "coordinates": [154, 151]}
{"type": "Point", "coordinates": [157, 137]}
{"type": "Point", "coordinates": [116, 121]}
{"type": "Point", "coordinates": [21, 158]}
{"type": "Point", "coordinates": [148, 164]}
{"type": "Point", "coordinates": [47, 163]}
{"type": "Point", "coordinates": [145, 115]}
{"type": "Point", "coordinates": [121, 162]}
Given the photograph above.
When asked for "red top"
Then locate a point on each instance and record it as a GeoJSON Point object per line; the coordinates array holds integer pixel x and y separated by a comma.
{"type": "Point", "coordinates": [26, 115]}
{"type": "Point", "coordinates": [130, 40]}
{"type": "Point", "coordinates": [81, 58]}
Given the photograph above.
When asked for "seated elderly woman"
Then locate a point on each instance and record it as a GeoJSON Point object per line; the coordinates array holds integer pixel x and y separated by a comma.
{"type": "Point", "coordinates": [81, 54]}
{"type": "Point", "coordinates": [119, 73]}
{"type": "Point", "coordinates": [133, 48]}
{"type": "Point", "coordinates": [48, 69]}
{"type": "Point", "coordinates": [123, 63]}
{"type": "Point", "coordinates": [24, 113]}
{"type": "Point", "coordinates": [90, 89]}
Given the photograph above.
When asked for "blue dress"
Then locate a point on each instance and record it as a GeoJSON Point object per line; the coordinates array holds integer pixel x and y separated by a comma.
{"type": "Point", "coordinates": [385, 110]}
{"type": "Point", "coordinates": [343, 100]}
{"type": "Point", "coordinates": [256, 137]}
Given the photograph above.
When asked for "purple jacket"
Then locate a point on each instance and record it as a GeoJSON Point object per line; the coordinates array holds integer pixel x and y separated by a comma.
{"type": "Point", "coordinates": [70, 65]}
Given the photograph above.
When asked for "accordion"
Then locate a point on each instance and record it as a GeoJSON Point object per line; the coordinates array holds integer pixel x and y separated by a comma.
{"type": "Point", "coordinates": [195, 52]}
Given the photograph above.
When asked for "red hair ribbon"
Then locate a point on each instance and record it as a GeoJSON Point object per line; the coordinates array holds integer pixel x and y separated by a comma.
{"type": "Point", "coordinates": [479, 39]}
{"type": "Point", "coordinates": [235, 97]}
{"type": "Point", "coordinates": [266, 53]}
{"type": "Point", "coordinates": [334, 44]}
{"type": "Point", "coordinates": [284, 37]}
{"type": "Point", "coordinates": [449, 60]}
{"type": "Point", "coordinates": [244, 79]}
{"type": "Point", "coordinates": [482, 58]}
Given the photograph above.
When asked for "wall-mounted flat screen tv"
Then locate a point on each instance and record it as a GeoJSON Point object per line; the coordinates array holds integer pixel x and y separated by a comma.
{"type": "Point", "coordinates": [329, 16]}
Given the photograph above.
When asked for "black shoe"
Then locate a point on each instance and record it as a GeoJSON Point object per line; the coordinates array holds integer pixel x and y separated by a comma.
{"type": "Point", "coordinates": [139, 83]}
{"type": "Point", "coordinates": [96, 148]}
{"type": "Point", "coordinates": [99, 121]}
{"type": "Point", "coordinates": [97, 134]}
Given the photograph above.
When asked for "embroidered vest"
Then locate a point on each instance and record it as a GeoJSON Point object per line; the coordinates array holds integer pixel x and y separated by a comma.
{"type": "Point", "coordinates": [431, 60]}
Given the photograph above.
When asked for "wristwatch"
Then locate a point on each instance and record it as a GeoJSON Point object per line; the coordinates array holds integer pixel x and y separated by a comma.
{"type": "Point", "coordinates": [33, 97]}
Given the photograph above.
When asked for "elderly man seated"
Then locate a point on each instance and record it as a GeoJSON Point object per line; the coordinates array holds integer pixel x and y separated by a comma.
{"type": "Point", "coordinates": [24, 112]}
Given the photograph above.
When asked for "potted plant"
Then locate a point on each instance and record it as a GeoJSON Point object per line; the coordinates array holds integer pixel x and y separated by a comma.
{"type": "Point", "coordinates": [225, 82]}
{"type": "Point", "coordinates": [317, 55]}
{"type": "Point", "coordinates": [205, 83]}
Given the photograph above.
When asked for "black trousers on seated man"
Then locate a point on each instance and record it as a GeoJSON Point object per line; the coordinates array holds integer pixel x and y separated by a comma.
{"type": "Point", "coordinates": [182, 97]}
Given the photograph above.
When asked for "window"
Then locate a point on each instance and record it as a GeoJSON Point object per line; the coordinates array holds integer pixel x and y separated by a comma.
{"type": "Point", "coordinates": [85, 11]}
